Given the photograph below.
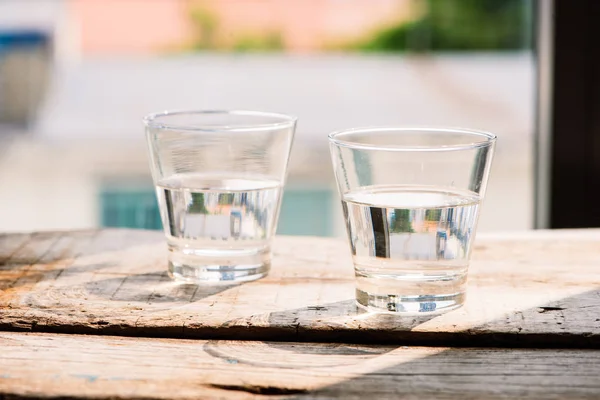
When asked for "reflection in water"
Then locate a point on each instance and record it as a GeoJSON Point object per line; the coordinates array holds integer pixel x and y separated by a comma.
{"type": "Point", "coordinates": [218, 212]}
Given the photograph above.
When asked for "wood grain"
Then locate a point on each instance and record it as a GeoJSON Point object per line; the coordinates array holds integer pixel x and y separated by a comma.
{"type": "Point", "coordinates": [76, 366]}
{"type": "Point", "coordinates": [537, 289]}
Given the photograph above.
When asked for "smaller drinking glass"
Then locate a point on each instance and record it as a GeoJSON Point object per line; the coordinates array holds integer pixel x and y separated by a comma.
{"type": "Point", "coordinates": [411, 199]}
{"type": "Point", "coordinates": [219, 177]}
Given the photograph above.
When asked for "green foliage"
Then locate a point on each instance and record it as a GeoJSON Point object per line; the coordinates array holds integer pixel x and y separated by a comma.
{"type": "Point", "coordinates": [206, 25]}
{"type": "Point", "coordinates": [467, 25]}
{"type": "Point", "coordinates": [400, 222]}
{"type": "Point", "coordinates": [225, 198]}
{"type": "Point", "coordinates": [271, 42]}
{"type": "Point", "coordinates": [197, 205]}
{"type": "Point", "coordinates": [433, 215]}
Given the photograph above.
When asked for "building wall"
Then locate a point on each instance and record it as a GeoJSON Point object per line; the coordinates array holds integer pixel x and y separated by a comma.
{"type": "Point", "coordinates": [129, 26]}
{"type": "Point", "coordinates": [143, 26]}
{"type": "Point", "coordinates": [307, 25]}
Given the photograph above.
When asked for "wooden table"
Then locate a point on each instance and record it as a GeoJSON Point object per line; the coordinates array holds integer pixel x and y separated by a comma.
{"type": "Point", "coordinates": [92, 314]}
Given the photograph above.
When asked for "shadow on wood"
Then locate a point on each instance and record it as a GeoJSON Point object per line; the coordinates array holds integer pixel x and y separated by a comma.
{"type": "Point", "coordinates": [287, 355]}
{"type": "Point", "coordinates": [162, 289]}
{"type": "Point", "coordinates": [478, 373]}
{"type": "Point", "coordinates": [76, 367]}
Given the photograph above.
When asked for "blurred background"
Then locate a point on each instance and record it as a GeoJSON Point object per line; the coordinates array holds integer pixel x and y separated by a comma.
{"type": "Point", "coordinates": [77, 76]}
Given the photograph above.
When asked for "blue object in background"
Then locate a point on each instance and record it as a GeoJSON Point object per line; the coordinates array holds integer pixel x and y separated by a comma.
{"type": "Point", "coordinates": [303, 211]}
{"type": "Point", "coordinates": [22, 39]}
{"type": "Point", "coordinates": [129, 209]}
{"type": "Point", "coordinates": [306, 212]}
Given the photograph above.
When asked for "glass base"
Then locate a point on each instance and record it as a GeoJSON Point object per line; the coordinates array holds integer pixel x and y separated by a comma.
{"type": "Point", "coordinates": [409, 294]}
{"type": "Point", "coordinates": [222, 266]}
{"type": "Point", "coordinates": [408, 305]}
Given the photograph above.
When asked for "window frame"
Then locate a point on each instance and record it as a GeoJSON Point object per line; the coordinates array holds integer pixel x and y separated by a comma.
{"type": "Point", "coordinates": [568, 120]}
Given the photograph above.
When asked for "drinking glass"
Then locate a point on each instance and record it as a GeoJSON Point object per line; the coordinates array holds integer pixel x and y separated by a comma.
{"type": "Point", "coordinates": [219, 177]}
{"type": "Point", "coordinates": [411, 200]}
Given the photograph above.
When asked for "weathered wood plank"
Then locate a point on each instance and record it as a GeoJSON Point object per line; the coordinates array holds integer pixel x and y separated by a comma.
{"type": "Point", "coordinates": [75, 366]}
{"type": "Point", "coordinates": [535, 289]}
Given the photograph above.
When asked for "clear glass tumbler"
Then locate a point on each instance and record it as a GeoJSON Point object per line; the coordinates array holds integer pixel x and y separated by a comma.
{"type": "Point", "coordinates": [411, 199]}
{"type": "Point", "coordinates": [219, 177]}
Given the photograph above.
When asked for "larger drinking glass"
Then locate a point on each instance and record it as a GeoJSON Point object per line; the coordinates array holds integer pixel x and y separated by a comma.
{"type": "Point", "coordinates": [411, 200]}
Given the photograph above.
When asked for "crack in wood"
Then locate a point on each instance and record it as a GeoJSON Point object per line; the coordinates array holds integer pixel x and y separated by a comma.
{"type": "Point", "coordinates": [546, 309]}
{"type": "Point", "coordinates": [259, 389]}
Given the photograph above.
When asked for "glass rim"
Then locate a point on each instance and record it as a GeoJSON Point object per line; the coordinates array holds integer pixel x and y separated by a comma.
{"type": "Point", "coordinates": [485, 138]}
{"type": "Point", "coordinates": [281, 121]}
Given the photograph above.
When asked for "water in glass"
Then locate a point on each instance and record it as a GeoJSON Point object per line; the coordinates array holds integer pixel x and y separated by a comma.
{"type": "Point", "coordinates": [411, 245]}
{"type": "Point", "coordinates": [228, 221]}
